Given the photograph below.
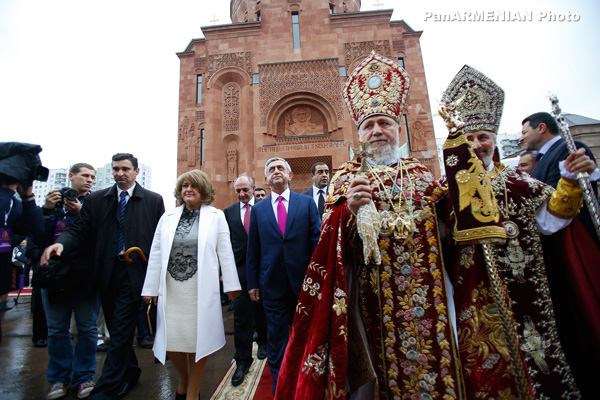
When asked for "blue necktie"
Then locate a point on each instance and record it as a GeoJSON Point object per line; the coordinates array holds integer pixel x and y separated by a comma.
{"type": "Point", "coordinates": [122, 205]}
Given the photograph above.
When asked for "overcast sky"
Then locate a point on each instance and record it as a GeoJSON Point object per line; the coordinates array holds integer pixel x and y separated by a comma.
{"type": "Point", "coordinates": [86, 79]}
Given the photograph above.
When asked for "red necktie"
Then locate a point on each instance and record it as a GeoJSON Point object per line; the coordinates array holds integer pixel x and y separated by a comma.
{"type": "Point", "coordinates": [247, 218]}
{"type": "Point", "coordinates": [281, 215]}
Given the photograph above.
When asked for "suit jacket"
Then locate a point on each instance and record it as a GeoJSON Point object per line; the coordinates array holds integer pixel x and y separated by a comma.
{"type": "Point", "coordinates": [98, 225]}
{"type": "Point", "coordinates": [239, 237]}
{"type": "Point", "coordinates": [274, 260]}
{"type": "Point", "coordinates": [214, 251]}
{"type": "Point", "coordinates": [309, 192]}
{"type": "Point", "coordinates": [548, 171]}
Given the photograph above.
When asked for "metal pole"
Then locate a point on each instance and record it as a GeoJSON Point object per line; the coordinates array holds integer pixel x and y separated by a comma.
{"type": "Point", "coordinates": [582, 177]}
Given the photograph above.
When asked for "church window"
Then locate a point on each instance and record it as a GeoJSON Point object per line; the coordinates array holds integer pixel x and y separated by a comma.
{"type": "Point", "coordinates": [198, 88]}
{"type": "Point", "coordinates": [342, 71]}
{"type": "Point", "coordinates": [231, 107]}
{"type": "Point", "coordinates": [255, 79]}
{"type": "Point", "coordinates": [296, 29]}
{"type": "Point", "coordinates": [202, 147]}
{"type": "Point", "coordinates": [401, 62]}
{"type": "Point", "coordinates": [405, 128]}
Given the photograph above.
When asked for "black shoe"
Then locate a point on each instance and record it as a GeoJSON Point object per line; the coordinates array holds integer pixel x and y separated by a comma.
{"type": "Point", "coordinates": [102, 347]}
{"type": "Point", "coordinates": [40, 342]}
{"type": "Point", "coordinates": [132, 378]}
{"type": "Point", "coordinates": [179, 396]}
{"type": "Point", "coordinates": [238, 375]}
{"type": "Point", "coordinates": [126, 387]}
{"type": "Point", "coordinates": [231, 306]}
{"type": "Point", "coordinates": [146, 343]}
{"type": "Point", "coordinates": [261, 354]}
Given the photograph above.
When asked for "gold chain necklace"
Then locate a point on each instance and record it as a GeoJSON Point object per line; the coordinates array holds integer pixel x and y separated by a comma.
{"type": "Point", "coordinates": [396, 221]}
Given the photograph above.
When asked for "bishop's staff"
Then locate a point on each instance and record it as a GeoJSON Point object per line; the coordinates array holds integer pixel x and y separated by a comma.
{"type": "Point", "coordinates": [582, 177]}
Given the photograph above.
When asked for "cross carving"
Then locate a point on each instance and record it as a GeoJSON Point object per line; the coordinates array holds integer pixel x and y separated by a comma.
{"type": "Point", "coordinates": [378, 5]}
{"type": "Point", "coordinates": [363, 153]}
{"type": "Point", "coordinates": [214, 20]}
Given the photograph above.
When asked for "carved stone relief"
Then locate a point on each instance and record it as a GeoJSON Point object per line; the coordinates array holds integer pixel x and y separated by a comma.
{"type": "Point", "coordinates": [231, 107]}
{"type": "Point", "coordinates": [189, 137]}
{"type": "Point", "coordinates": [232, 165]}
{"type": "Point", "coordinates": [354, 50]}
{"type": "Point", "coordinates": [200, 62]}
{"type": "Point", "coordinates": [316, 76]}
{"type": "Point", "coordinates": [301, 121]}
{"type": "Point", "coordinates": [399, 46]}
{"type": "Point", "coordinates": [418, 132]}
{"type": "Point", "coordinates": [241, 60]}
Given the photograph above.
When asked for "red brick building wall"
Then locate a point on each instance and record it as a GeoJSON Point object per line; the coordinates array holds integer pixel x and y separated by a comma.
{"type": "Point", "coordinates": [262, 98]}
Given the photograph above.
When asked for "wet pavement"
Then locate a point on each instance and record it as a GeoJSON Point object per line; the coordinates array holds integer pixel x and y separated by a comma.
{"type": "Point", "coordinates": [23, 366]}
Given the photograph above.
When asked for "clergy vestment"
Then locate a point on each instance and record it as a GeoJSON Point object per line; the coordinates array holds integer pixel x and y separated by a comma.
{"type": "Point", "coordinates": [400, 306]}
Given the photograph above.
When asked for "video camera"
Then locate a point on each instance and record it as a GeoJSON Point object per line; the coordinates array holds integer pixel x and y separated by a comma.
{"type": "Point", "coordinates": [20, 162]}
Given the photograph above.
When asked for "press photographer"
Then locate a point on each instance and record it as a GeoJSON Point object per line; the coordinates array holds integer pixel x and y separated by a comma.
{"type": "Point", "coordinates": [20, 165]}
{"type": "Point", "coordinates": [68, 292]}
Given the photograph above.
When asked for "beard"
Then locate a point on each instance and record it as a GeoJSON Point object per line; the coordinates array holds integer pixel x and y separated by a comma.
{"type": "Point", "coordinates": [388, 154]}
{"type": "Point", "coordinates": [488, 159]}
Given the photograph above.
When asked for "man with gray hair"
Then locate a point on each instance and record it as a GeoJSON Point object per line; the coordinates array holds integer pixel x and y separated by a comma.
{"type": "Point", "coordinates": [246, 313]}
{"type": "Point", "coordinates": [284, 231]}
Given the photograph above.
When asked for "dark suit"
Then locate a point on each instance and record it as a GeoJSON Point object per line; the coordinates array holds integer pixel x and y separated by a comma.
{"type": "Point", "coordinates": [547, 171]}
{"type": "Point", "coordinates": [246, 313]}
{"type": "Point", "coordinates": [277, 264]}
{"type": "Point", "coordinates": [310, 193]}
{"type": "Point", "coordinates": [119, 283]}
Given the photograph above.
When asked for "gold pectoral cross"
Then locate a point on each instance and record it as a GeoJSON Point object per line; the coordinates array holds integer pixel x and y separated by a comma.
{"type": "Point", "coordinates": [363, 154]}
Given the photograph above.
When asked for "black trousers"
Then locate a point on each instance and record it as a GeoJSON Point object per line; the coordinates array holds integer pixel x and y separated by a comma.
{"type": "Point", "coordinates": [39, 326]}
{"type": "Point", "coordinates": [120, 306]}
{"type": "Point", "coordinates": [247, 316]}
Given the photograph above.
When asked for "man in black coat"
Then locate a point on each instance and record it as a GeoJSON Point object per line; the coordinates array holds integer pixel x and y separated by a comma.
{"type": "Point", "coordinates": [112, 221]}
{"type": "Point", "coordinates": [540, 132]}
{"type": "Point", "coordinates": [247, 314]}
{"type": "Point", "coordinates": [319, 173]}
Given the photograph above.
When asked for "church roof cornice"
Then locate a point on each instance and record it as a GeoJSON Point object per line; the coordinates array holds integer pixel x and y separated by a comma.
{"type": "Point", "coordinates": [232, 30]}
{"type": "Point", "coordinates": [188, 52]}
{"type": "Point", "coordinates": [362, 18]}
{"type": "Point", "coordinates": [406, 28]}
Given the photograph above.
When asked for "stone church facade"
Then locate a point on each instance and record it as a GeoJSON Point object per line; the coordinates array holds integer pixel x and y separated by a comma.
{"type": "Point", "coordinates": [270, 84]}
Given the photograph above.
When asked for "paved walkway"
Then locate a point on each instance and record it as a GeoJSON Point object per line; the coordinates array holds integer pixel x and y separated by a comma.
{"type": "Point", "coordinates": [23, 366]}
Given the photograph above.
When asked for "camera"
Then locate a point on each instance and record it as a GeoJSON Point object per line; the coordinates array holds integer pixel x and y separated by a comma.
{"type": "Point", "coordinates": [20, 162]}
{"type": "Point", "coordinates": [66, 193]}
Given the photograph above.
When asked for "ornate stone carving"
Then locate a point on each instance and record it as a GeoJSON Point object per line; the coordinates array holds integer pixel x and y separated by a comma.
{"type": "Point", "coordinates": [418, 131]}
{"type": "Point", "coordinates": [418, 136]}
{"type": "Point", "coordinates": [399, 46]}
{"type": "Point", "coordinates": [301, 121]}
{"type": "Point", "coordinates": [317, 76]}
{"type": "Point", "coordinates": [191, 146]}
{"type": "Point", "coordinates": [231, 107]}
{"type": "Point", "coordinates": [429, 163]}
{"type": "Point", "coordinates": [200, 62]}
{"type": "Point", "coordinates": [200, 116]}
{"type": "Point", "coordinates": [232, 159]}
{"type": "Point", "coordinates": [354, 50]}
{"type": "Point", "coordinates": [241, 60]}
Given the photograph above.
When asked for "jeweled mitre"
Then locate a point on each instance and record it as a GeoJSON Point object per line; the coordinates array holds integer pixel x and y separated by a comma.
{"type": "Point", "coordinates": [481, 100]}
{"type": "Point", "coordinates": [378, 86]}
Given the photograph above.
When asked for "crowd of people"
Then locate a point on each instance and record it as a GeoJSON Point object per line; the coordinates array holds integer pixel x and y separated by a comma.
{"type": "Point", "coordinates": [379, 282]}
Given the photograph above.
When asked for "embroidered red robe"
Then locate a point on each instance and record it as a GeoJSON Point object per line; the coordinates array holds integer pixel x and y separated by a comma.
{"type": "Point", "coordinates": [402, 303]}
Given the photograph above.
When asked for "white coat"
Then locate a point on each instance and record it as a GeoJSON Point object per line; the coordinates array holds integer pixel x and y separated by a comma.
{"type": "Point", "coordinates": [214, 250]}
